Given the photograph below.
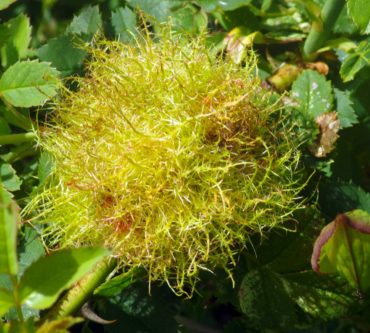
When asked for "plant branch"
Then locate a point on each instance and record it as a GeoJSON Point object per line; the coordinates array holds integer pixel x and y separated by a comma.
{"type": "Point", "coordinates": [78, 295]}
{"type": "Point", "coordinates": [322, 28]}
{"type": "Point", "coordinates": [14, 139]}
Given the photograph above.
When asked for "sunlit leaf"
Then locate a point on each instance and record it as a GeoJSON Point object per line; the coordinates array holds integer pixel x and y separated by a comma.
{"type": "Point", "coordinates": [345, 24]}
{"type": "Point", "coordinates": [189, 18]}
{"type": "Point", "coordinates": [72, 55]}
{"type": "Point", "coordinates": [159, 9]}
{"type": "Point", "coordinates": [346, 112]}
{"type": "Point", "coordinates": [30, 248]}
{"type": "Point", "coordinates": [344, 247]}
{"type": "Point", "coordinates": [87, 23]}
{"type": "Point", "coordinates": [360, 13]}
{"type": "Point", "coordinates": [355, 61]}
{"type": "Point", "coordinates": [16, 117]}
{"type": "Point", "coordinates": [313, 93]}
{"type": "Point", "coordinates": [124, 23]}
{"type": "Point", "coordinates": [28, 83]}
{"type": "Point", "coordinates": [4, 127]}
{"type": "Point", "coordinates": [8, 234]}
{"type": "Point", "coordinates": [45, 279]}
{"type": "Point", "coordinates": [18, 31]}
{"type": "Point", "coordinates": [45, 167]}
{"type": "Point", "coordinates": [6, 301]}
{"type": "Point", "coordinates": [238, 42]}
{"type": "Point", "coordinates": [6, 3]}
{"type": "Point", "coordinates": [115, 285]}
{"type": "Point", "coordinates": [9, 178]}
{"type": "Point", "coordinates": [212, 5]}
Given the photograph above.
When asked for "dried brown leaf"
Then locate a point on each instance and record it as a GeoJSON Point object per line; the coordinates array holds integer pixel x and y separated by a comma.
{"type": "Point", "coordinates": [329, 126]}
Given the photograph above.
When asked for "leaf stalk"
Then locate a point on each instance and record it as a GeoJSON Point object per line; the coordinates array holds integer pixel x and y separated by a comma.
{"type": "Point", "coordinates": [322, 27]}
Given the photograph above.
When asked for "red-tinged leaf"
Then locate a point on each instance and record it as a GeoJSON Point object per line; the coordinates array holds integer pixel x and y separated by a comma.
{"type": "Point", "coordinates": [325, 235]}
{"type": "Point", "coordinates": [343, 247]}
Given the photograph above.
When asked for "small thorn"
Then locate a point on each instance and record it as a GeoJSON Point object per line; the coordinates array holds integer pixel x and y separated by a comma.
{"type": "Point", "coordinates": [91, 315]}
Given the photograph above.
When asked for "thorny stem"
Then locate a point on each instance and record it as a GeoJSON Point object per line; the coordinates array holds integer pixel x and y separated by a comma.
{"type": "Point", "coordinates": [14, 139]}
{"type": "Point", "coordinates": [78, 295]}
{"type": "Point", "coordinates": [322, 28]}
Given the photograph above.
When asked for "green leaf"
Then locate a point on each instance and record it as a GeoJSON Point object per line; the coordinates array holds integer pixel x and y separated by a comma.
{"type": "Point", "coordinates": [323, 297]}
{"type": "Point", "coordinates": [44, 280]}
{"type": "Point", "coordinates": [355, 61]}
{"type": "Point", "coordinates": [360, 13]}
{"type": "Point", "coordinates": [6, 301]}
{"type": "Point", "coordinates": [266, 4]}
{"type": "Point", "coordinates": [18, 118]}
{"type": "Point", "coordinates": [338, 197]}
{"type": "Point", "coordinates": [45, 167]}
{"type": "Point", "coordinates": [344, 24]}
{"type": "Point", "coordinates": [8, 234]}
{"type": "Point", "coordinates": [343, 247]}
{"type": "Point", "coordinates": [289, 251]}
{"type": "Point", "coordinates": [189, 18]}
{"type": "Point", "coordinates": [18, 32]}
{"type": "Point", "coordinates": [264, 301]}
{"type": "Point", "coordinates": [6, 3]}
{"type": "Point", "coordinates": [243, 16]}
{"type": "Point", "coordinates": [115, 285]}
{"type": "Point", "coordinates": [5, 281]}
{"type": "Point", "coordinates": [87, 23]}
{"type": "Point", "coordinates": [233, 4]}
{"type": "Point", "coordinates": [209, 5]}
{"type": "Point", "coordinates": [124, 23]}
{"type": "Point", "coordinates": [4, 127]}
{"type": "Point", "coordinates": [295, 247]}
{"type": "Point", "coordinates": [28, 326]}
{"type": "Point", "coordinates": [312, 93]}
{"type": "Point", "coordinates": [351, 158]}
{"type": "Point", "coordinates": [212, 5]}
{"type": "Point", "coordinates": [30, 249]}
{"type": "Point", "coordinates": [29, 83]}
{"type": "Point", "coordinates": [159, 9]}
{"type": "Point", "coordinates": [28, 312]}
{"type": "Point", "coordinates": [9, 178]}
{"type": "Point", "coordinates": [346, 113]}
{"type": "Point", "coordinates": [72, 56]}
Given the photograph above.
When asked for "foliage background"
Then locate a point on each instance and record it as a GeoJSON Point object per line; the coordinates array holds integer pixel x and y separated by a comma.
{"type": "Point", "coordinates": [276, 290]}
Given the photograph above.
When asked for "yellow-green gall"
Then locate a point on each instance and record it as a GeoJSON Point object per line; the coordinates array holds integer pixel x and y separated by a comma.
{"type": "Point", "coordinates": [170, 155]}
